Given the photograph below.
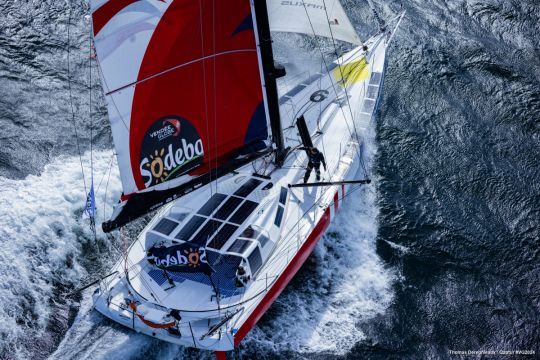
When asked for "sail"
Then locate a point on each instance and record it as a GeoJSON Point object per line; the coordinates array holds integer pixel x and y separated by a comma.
{"type": "Point", "coordinates": [183, 86]}
{"type": "Point", "coordinates": [312, 17]}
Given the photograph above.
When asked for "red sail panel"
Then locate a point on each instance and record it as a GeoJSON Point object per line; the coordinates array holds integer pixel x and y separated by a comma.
{"type": "Point", "coordinates": [198, 97]}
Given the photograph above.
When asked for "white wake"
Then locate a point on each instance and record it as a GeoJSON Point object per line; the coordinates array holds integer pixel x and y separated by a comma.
{"type": "Point", "coordinates": [41, 240]}
{"type": "Point", "coordinates": [349, 285]}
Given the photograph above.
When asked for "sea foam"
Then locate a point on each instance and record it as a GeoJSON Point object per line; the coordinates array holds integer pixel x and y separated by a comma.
{"type": "Point", "coordinates": [41, 241]}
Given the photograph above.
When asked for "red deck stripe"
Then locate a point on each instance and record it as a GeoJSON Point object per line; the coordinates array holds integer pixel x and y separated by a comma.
{"type": "Point", "coordinates": [284, 278]}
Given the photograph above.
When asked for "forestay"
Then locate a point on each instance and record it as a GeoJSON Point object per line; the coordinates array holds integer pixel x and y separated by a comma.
{"type": "Point", "coordinates": [183, 88]}
{"type": "Point", "coordinates": [312, 17]}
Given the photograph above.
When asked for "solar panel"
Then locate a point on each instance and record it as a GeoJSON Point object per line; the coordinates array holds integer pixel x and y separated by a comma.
{"type": "Point", "coordinates": [222, 236]}
{"type": "Point", "coordinates": [243, 212]}
{"type": "Point", "coordinates": [248, 187]}
{"type": "Point", "coordinates": [228, 208]}
{"type": "Point", "coordinates": [283, 195]}
{"type": "Point", "coordinates": [165, 226]}
{"type": "Point", "coordinates": [279, 216]}
{"type": "Point", "coordinates": [191, 226]}
{"type": "Point", "coordinates": [263, 239]}
{"type": "Point", "coordinates": [239, 246]}
{"type": "Point", "coordinates": [255, 260]}
{"type": "Point", "coordinates": [206, 232]}
{"type": "Point", "coordinates": [212, 204]}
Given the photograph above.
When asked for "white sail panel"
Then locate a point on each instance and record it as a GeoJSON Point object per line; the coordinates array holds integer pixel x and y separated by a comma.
{"type": "Point", "coordinates": [122, 30]}
{"type": "Point", "coordinates": [312, 17]}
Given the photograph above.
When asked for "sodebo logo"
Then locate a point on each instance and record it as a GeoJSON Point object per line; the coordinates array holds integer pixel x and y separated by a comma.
{"type": "Point", "coordinates": [170, 148]}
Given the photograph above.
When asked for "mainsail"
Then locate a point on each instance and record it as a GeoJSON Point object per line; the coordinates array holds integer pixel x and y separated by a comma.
{"type": "Point", "coordinates": [312, 17]}
{"type": "Point", "coordinates": [184, 89]}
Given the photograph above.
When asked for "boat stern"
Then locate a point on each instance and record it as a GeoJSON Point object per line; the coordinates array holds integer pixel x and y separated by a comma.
{"type": "Point", "coordinates": [207, 330]}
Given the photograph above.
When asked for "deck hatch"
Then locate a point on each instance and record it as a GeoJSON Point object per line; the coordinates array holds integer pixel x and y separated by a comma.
{"type": "Point", "coordinates": [227, 208]}
{"type": "Point", "coordinates": [212, 204]}
{"type": "Point", "coordinates": [190, 228]}
{"type": "Point", "coordinates": [165, 226]}
{"type": "Point", "coordinates": [222, 236]}
{"type": "Point", "coordinates": [248, 187]}
{"type": "Point", "coordinates": [243, 212]}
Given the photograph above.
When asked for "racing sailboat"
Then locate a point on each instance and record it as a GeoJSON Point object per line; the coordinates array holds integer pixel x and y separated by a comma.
{"type": "Point", "coordinates": [210, 131]}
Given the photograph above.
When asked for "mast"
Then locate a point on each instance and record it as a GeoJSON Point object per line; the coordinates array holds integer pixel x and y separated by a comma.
{"type": "Point", "coordinates": [270, 75]}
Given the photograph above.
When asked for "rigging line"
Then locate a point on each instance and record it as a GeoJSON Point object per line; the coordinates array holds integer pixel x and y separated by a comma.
{"type": "Point", "coordinates": [317, 202]}
{"type": "Point", "coordinates": [130, 265]}
{"type": "Point", "coordinates": [144, 282]}
{"type": "Point", "coordinates": [215, 86]}
{"type": "Point", "coordinates": [90, 111]}
{"type": "Point", "coordinates": [73, 121]}
{"type": "Point", "coordinates": [107, 188]}
{"type": "Point", "coordinates": [202, 59]}
{"type": "Point", "coordinates": [288, 89]}
{"type": "Point", "coordinates": [201, 29]}
{"type": "Point", "coordinates": [341, 72]}
{"type": "Point", "coordinates": [104, 80]}
{"type": "Point", "coordinates": [291, 234]}
{"type": "Point", "coordinates": [308, 106]}
{"type": "Point", "coordinates": [104, 174]}
{"type": "Point", "coordinates": [91, 120]}
{"type": "Point", "coordinates": [325, 64]}
{"type": "Point", "coordinates": [208, 133]}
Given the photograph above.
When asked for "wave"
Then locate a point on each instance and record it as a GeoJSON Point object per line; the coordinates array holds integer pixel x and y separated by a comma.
{"type": "Point", "coordinates": [44, 250]}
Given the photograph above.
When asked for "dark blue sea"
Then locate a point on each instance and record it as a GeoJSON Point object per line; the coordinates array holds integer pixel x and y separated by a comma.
{"type": "Point", "coordinates": [441, 254]}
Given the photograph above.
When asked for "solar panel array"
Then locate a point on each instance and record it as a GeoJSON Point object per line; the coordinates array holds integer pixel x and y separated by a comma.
{"type": "Point", "coordinates": [216, 220]}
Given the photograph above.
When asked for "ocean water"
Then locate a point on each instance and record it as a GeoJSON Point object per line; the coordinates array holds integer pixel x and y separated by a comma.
{"type": "Point", "coordinates": [440, 253]}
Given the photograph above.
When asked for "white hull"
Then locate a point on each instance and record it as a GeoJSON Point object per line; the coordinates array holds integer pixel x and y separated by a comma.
{"type": "Point", "coordinates": [306, 215]}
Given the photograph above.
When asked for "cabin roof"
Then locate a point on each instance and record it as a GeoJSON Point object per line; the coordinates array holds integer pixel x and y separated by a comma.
{"type": "Point", "coordinates": [214, 222]}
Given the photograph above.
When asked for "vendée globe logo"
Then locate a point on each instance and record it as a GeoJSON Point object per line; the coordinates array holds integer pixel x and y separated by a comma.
{"type": "Point", "coordinates": [170, 148]}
